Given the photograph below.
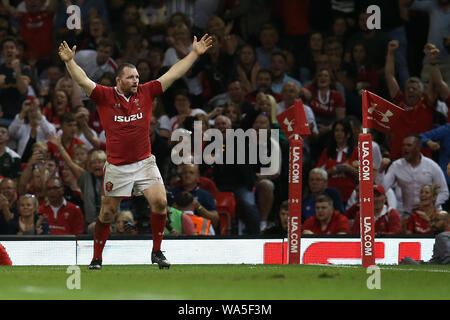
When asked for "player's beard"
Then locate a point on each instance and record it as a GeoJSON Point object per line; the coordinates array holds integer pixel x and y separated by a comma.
{"type": "Point", "coordinates": [128, 90]}
{"type": "Point", "coordinates": [131, 90]}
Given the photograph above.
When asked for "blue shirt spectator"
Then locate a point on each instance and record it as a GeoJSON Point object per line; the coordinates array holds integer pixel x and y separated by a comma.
{"type": "Point", "coordinates": [279, 67]}
{"type": "Point", "coordinates": [439, 139]}
{"type": "Point", "coordinates": [317, 182]}
{"type": "Point", "coordinates": [309, 203]}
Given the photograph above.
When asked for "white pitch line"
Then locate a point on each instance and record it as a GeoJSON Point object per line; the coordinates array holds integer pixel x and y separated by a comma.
{"type": "Point", "coordinates": [383, 268]}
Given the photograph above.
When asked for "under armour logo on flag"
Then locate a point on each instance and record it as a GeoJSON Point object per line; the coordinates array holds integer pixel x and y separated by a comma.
{"type": "Point", "coordinates": [385, 116]}
{"type": "Point", "coordinates": [288, 124]}
{"type": "Point", "coordinates": [293, 121]}
{"type": "Point", "coordinates": [379, 113]}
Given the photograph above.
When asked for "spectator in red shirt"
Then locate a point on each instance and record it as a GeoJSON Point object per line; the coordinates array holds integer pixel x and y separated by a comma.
{"type": "Point", "coordinates": [338, 159]}
{"type": "Point", "coordinates": [387, 220]}
{"type": "Point", "coordinates": [440, 226]}
{"type": "Point", "coordinates": [418, 222]}
{"type": "Point", "coordinates": [36, 25]}
{"type": "Point", "coordinates": [326, 220]}
{"type": "Point", "coordinates": [418, 103]}
{"type": "Point", "coordinates": [63, 216]}
{"type": "Point", "coordinates": [327, 104]}
{"type": "Point", "coordinates": [295, 17]}
{"type": "Point", "coordinates": [366, 73]}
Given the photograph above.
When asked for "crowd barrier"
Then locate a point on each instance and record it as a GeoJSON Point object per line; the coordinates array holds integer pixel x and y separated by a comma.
{"type": "Point", "coordinates": [120, 250]}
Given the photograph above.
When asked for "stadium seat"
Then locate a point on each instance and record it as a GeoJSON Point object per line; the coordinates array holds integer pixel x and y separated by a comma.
{"type": "Point", "coordinates": [226, 207]}
{"type": "Point", "coordinates": [224, 223]}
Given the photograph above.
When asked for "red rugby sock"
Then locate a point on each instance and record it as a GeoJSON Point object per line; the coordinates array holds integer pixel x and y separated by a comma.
{"type": "Point", "coordinates": [101, 234]}
{"type": "Point", "coordinates": [158, 222]}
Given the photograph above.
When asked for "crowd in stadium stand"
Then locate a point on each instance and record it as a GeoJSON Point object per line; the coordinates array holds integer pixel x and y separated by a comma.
{"type": "Point", "coordinates": [266, 54]}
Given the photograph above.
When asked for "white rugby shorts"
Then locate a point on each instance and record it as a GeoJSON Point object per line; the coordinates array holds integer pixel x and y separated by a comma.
{"type": "Point", "coordinates": [119, 181]}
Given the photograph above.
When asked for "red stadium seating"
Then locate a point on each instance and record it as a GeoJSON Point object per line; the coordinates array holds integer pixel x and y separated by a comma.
{"type": "Point", "coordinates": [226, 207]}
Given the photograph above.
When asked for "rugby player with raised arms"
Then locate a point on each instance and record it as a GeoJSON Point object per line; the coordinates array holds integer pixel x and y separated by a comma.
{"type": "Point", "coordinates": [125, 113]}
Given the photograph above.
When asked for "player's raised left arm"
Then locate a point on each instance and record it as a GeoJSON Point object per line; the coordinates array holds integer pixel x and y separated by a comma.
{"type": "Point", "coordinates": [180, 68]}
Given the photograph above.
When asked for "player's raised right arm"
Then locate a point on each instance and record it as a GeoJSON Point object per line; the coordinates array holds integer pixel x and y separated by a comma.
{"type": "Point", "coordinates": [78, 75]}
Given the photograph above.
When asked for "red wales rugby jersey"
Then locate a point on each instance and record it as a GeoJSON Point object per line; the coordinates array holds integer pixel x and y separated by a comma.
{"type": "Point", "coordinates": [126, 121]}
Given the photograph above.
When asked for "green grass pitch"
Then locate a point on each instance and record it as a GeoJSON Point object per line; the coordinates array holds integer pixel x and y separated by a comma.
{"type": "Point", "coordinates": [226, 282]}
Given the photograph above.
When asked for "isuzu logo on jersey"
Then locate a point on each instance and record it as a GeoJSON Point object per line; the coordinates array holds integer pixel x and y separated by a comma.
{"type": "Point", "coordinates": [130, 118]}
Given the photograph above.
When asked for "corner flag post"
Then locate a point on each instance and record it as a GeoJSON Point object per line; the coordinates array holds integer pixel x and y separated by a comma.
{"type": "Point", "coordinates": [295, 125]}
{"type": "Point", "coordinates": [295, 199]}
{"type": "Point", "coordinates": [367, 220]}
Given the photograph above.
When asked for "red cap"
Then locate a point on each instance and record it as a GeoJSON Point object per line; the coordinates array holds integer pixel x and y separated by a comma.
{"type": "Point", "coordinates": [31, 98]}
{"type": "Point", "coordinates": [379, 189]}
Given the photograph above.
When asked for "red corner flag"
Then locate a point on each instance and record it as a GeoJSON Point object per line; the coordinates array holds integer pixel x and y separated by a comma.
{"type": "Point", "coordinates": [294, 124]}
{"type": "Point", "coordinates": [378, 113]}
{"type": "Point", "coordinates": [293, 121]}
{"type": "Point", "coordinates": [4, 258]}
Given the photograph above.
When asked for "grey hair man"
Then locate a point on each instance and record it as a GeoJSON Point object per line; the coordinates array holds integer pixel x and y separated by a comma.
{"type": "Point", "coordinates": [318, 185]}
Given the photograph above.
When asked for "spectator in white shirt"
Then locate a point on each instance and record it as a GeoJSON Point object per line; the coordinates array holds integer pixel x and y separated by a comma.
{"type": "Point", "coordinates": [412, 172]}
{"type": "Point", "coordinates": [179, 38]}
{"type": "Point", "coordinates": [97, 62]}
{"type": "Point", "coordinates": [290, 93]}
{"type": "Point", "coordinates": [30, 126]}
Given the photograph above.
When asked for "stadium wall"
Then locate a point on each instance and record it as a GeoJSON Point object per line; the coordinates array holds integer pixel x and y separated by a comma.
{"type": "Point", "coordinates": [68, 250]}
